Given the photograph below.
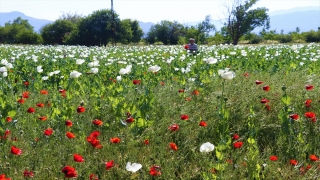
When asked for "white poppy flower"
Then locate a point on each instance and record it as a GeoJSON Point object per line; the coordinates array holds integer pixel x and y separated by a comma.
{"type": "Point", "coordinates": [211, 60]}
{"type": "Point", "coordinates": [75, 74]}
{"type": "Point", "coordinates": [206, 147]}
{"type": "Point", "coordinates": [154, 69]}
{"type": "Point", "coordinates": [134, 167]}
{"type": "Point", "coordinates": [93, 64]}
{"type": "Point", "coordinates": [124, 71]}
{"type": "Point", "coordinates": [94, 70]}
{"type": "Point", "coordinates": [80, 61]}
{"type": "Point", "coordinates": [228, 75]}
{"type": "Point", "coordinates": [3, 69]}
{"type": "Point", "coordinates": [45, 78]}
{"type": "Point", "coordinates": [118, 78]}
{"type": "Point", "coordinates": [5, 74]}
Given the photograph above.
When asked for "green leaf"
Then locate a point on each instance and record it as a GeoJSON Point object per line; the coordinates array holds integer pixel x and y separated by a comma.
{"type": "Point", "coordinates": [286, 99]}
{"type": "Point", "coordinates": [251, 141]}
{"type": "Point", "coordinates": [12, 113]}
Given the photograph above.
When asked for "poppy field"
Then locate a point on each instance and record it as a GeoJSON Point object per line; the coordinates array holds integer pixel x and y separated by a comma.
{"type": "Point", "coordinates": [158, 112]}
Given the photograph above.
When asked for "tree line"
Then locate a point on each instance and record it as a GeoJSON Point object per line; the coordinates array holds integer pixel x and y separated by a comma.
{"type": "Point", "coordinates": [97, 29]}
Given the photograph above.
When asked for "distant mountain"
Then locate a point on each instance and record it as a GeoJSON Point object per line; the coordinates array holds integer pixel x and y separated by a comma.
{"type": "Point", "coordinates": [10, 16]}
{"type": "Point", "coordinates": [306, 18]}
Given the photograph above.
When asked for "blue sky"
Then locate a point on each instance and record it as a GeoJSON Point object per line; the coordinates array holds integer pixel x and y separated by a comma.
{"type": "Point", "coordinates": [142, 10]}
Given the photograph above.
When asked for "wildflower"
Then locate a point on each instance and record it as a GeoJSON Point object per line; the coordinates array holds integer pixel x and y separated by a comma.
{"type": "Point", "coordinates": [307, 103]}
{"type": "Point", "coordinates": [94, 70]}
{"type": "Point", "coordinates": [109, 164]}
{"type": "Point", "coordinates": [155, 171]}
{"type": "Point", "coordinates": [310, 115]}
{"type": "Point", "coordinates": [293, 162]}
{"type": "Point", "coordinates": [237, 145]}
{"type": "Point", "coordinates": [31, 110]}
{"type": "Point", "coordinates": [294, 116]}
{"type": "Point", "coordinates": [134, 167]}
{"type": "Point", "coordinates": [154, 69]}
{"type": "Point", "coordinates": [75, 74]}
{"type": "Point", "coordinates": [308, 87]}
{"type": "Point", "coordinates": [93, 177]}
{"type": "Point", "coordinates": [228, 75]}
{"type": "Point", "coordinates": [115, 140]}
{"type": "Point", "coordinates": [81, 109]}
{"type": "Point", "coordinates": [93, 139]}
{"type": "Point", "coordinates": [184, 117]}
{"type": "Point", "coordinates": [206, 147]}
{"type": "Point", "coordinates": [43, 118]}
{"type": "Point", "coordinates": [70, 135]}
{"type": "Point", "coordinates": [44, 92]}
{"type": "Point", "coordinates": [174, 127]}
{"type": "Point", "coordinates": [258, 82]}
{"type": "Point", "coordinates": [78, 158]}
{"type": "Point", "coordinates": [146, 141]}
{"type": "Point", "coordinates": [97, 122]}
{"type": "Point", "coordinates": [48, 132]}
{"type": "Point", "coordinates": [173, 146]}
{"type": "Point", "coordinates": [266, 88]}
{"type": "Point", "coordinates": [129, 120]}
{"type": "Point", "coordinates": [181, 91]}
{"type": "Point", "coordinates": [246, 74]}
{"type": "Point", "coordinates": [8, 119]}
{"type": "Point", "coordinates": [15, 150]}
{"type": "Point", "coordinates": [136, 82]}
{"type": "Point", "coordinates": [273, 158]}
{"type": "Point", "coordinates": [21, 101]}
{"type": "Point", "coordinates": [3, 177]}
{"type": "Point", "coordinates": [313, 157]}
{"type": "Point", "coordinates": [264, 101]}
{"type": "Point", "coordinates": [186, 46]}
{"type": "Point", "coordinates": [195, 92]}
{"type": "Point", "coordinates": [27, 173]}
{"type": "Point", "coordinates": [235, 137]}
{"type": "Point", "coordinates": [25, 94]}
{"type": "Point", "coordinates": [40, 104]}
{"type": "Point", "coordinates": [203, 123]}
{"type": "Point", "coordinates": [69, 172]}
{"type": "Point", "coordinates": [68, 123]}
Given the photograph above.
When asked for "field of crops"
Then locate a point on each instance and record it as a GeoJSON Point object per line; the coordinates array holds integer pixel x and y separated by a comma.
{"type": "Point", "coordinates": [158, 112]}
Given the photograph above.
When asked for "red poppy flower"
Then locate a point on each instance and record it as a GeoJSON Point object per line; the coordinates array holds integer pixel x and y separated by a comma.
{"type": "Point", "coordinates": [155, 171]}
{"type": "Point", "coordinates": [266, 88]}
{"type": "Point", "coordinates": [43, 118]}
{"type": "Point", "coordinates": [293, 162]}
{"type": "Point", "coordinates": [40, 104]}
{"type": "Point", "coordinates": [195, 92]}
{"type": "Point", "coordinates": [136, 81]}
{"type": "Point", "coordinates": [15, 150]}
{"type": "Point", "coordinates": [21, 101]}
{"type": "Point", "coordinates": [109, 164]}
{"type": "Point", "coordinates": [161, 83]}
{"type": "Point", "coordinates": [308, 87]}
{"type": "Point", "coordinates": [27, 173]}
{"type": "Point", "coordinates": [70, 135]}
{"type": "Point", "coordinates": [188, 99]}
{"type": "Point", "coordinates": [48, 132]}
{"type": "Point", "coordinates": [68, 123]}
{"type": "Point", "coordinates": [313, 157]}
{"type": "Point", "coordinates": [258, 82]}
{"type": "Point", "coordinates": [184, 117]}
{"type": "Point", "coordinates": [173, 146]}
{"type": "Point", "coordinates": [307, 103]}
{"type": "Point", "coordinates": [203, 123]}
{"type": "Point", "coordinates": [3, 177]}
{"type": "Point", "coordinates": [25, 94]}
{"type": "Point", "coordinates": [26, 83]}
{"type": "Point", "coordinates": [8, 119]}
{"type": "Point", "coordinates": [81, 109]}
{"type": "Point", "coordinates": [267, 107]}
{"type": "Point", "coordinates": [235, 137]}
{"type": "Point", "coordinates": [78, 158]}
{"type": "Point", "coordinates": [93, 139]}
{"type": "Point", "coordinates": [115, 140]}
{"type": "Point", "coordinates": [237, 145]}
{"type": "Point", "coordinates": [186, 47]}
{"type": "Point", "coordinates": [146, 141]}
{"type": "Point", "coordinates": [129, 120]}
{"type": "Point", "coordinates": [264, 100]}
{"type": "Point", "coordinates": [97, 122]}
{"type": "Point", "coordinates": [93, 177]}
{"type": "Point", "coordinates": [69, 172]}
{"type": "Point", "coordinates": [31, 110]}
{"type": "Point", "coordinates": [174, 127]}
{"type": "Point", "coordinates": [294, 116]}
{"type": "Point", "coordinates": [181, 91]}
{"type": "Point", "coordinates": [273, 158]}
{"type": "Point", "coordinates": [246, 74]}
{"type": "Point", "coordinates": [310, 115]}
{"type": "Point", "coordinates": [44, 92]}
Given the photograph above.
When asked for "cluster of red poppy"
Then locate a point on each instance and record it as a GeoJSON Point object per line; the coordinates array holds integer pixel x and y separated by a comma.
{"type": "Point", "coordinates": [93, 139]}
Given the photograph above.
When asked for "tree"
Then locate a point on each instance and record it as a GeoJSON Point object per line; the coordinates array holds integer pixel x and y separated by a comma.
{"type": "Point", "coordinates": [129, 31]}
{"type": "Point", "coordinates": [74, 18]}
{"type": "Point", "coordinates": [166, 32]}
{"type": "Point", "coordinates": [203, 29]}
{"type": "Point", "coordinates": [54, 33]}
{"type": "Point", "coordinates": [241, 19]}
{"type": "Point", "coordinates": [18, 32]}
